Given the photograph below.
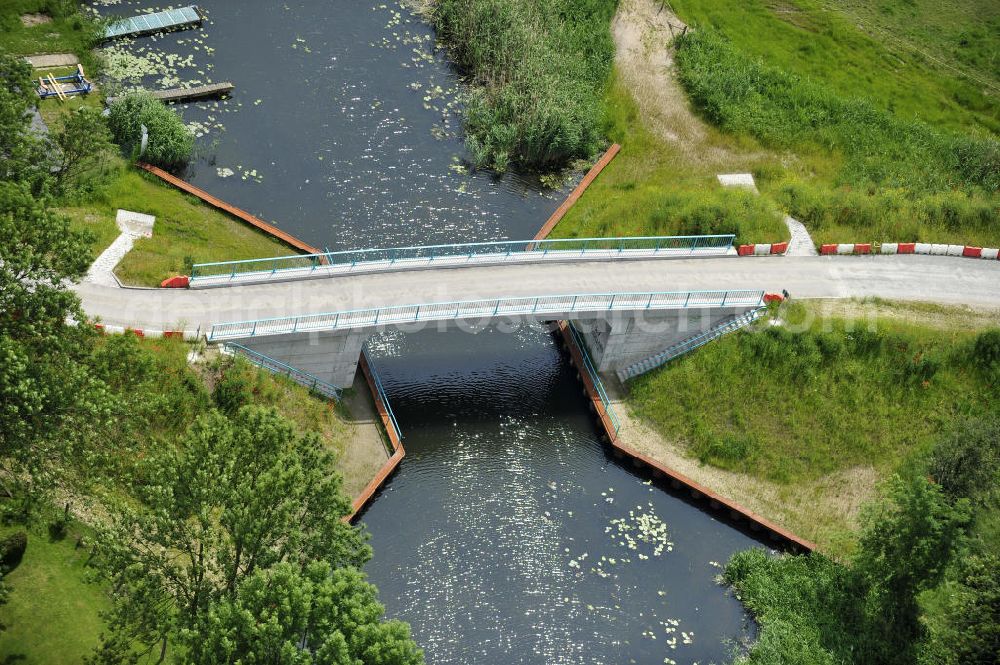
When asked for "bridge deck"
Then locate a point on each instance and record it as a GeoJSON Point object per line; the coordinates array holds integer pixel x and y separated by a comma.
{"type": "Point", "coordinates": [921, 278]}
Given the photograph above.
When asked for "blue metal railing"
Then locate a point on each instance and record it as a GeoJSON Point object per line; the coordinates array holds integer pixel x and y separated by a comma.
{"type": "Point", "coordinates": [589, 366]}
{"type": "Point", "coordinates": [381, 392]}
{"type": "Point", "coordinates": [555, 305]}
{"type": "Point", "coordinates": [690, 344]}
{"type": "Point", "coordinates": [276, 366]}
{"type": "Point", "coordinates": [487, 252]}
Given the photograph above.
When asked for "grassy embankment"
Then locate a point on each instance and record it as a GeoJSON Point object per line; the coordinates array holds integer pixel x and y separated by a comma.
{"type": "Point", "coordinates": [824, 396]}
{"type": "Point", "coordinates": [186, 230]}
{"type": "Point", "coordinates": [780, 87]}
{"type": "Point", "coordinates": [52, 614]}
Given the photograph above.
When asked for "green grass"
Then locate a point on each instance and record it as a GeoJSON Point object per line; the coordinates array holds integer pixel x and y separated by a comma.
{"type": "Point", "coordinates": [790, 407]}
{"type": "Point", "coordinates": [52, 613]}
{"type": "Point", "coordinates": [652, 189]}
{"type": "Point", "coordinates": [186, 229]}
{"type": "Point", "coordinates": [782, 89]}
{"type": "Point", "coordinates": [915, 58]}
{"type": "Point", "coordinates": [68, 32]}
{"type": "Point", "coordinates": [54, 110]}
{"type": "Point", "coordinates": [102, 225]}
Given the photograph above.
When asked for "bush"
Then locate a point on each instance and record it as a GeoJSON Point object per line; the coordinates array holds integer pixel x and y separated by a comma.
{"type": "Point", "coordinates": [170, 142]}
{"type": "Point", "coordinates": [987, 348]}
{"type": "Point", "coordinates": [538, 69]}
{"type": "Point", "coordinates": [12, 550]}
{"type": "Point", "coordinates": [234, 389]}
{"type": "Point", "coordinates": [966, 462]}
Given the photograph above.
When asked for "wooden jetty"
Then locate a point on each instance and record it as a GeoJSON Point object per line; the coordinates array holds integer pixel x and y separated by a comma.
{"type": "Point", "coordinates": [175, 95]}
{"type": "Point", "coordinates": [145, 24]}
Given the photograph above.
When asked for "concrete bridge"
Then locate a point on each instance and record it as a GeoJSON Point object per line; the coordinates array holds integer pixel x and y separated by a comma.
{"type": "Point", "coordinates": [627, 310]}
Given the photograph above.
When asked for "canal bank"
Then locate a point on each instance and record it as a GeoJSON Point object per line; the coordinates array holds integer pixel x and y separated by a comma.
{"type": "Point", "coordinates": [509, 535]}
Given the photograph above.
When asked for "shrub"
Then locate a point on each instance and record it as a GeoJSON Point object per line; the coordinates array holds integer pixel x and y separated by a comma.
{"type": "Point", "coordinates": [966, 462]}
{"type": "Point", "coordinates": [170, 142]}
{"type": "Point", "coordinates": [538, 69]}
{"type": "Point", "coordinates": [987, 348]}
{"type": "Point", "coordinates": [12, 550]}
{"type": "Point", "coordinates": [234, 389]}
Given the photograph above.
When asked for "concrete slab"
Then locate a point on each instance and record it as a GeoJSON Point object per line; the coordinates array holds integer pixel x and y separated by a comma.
{"type": "Point", "coordinates": [744, 180]}
{"type": "Point", "coordinates": [52, 60]}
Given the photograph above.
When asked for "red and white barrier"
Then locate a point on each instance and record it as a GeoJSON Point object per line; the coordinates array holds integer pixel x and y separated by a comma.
{"type": "Point", "coordinates": [761, 249]}
{"type": "Point", "coordinates": [935, 249]}
{"type": "Point", "coordinates": [846, 248]}
{"type": "Point", "coordinates": [186, 335]}
{"type": "Point", "coordinates": [176, 282]}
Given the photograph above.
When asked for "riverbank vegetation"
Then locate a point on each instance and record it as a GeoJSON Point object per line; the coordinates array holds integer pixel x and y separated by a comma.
{"type": "Point", "coordinates": [894, 178]}
{"type": "Point", "coordinates": [866, 129]}
{"type": "Point", "coordinates": [852, 394]}
{"type": "Point", "coordinates": [923, 585]}
{"type": "Point", "coordinates": [537, 69]}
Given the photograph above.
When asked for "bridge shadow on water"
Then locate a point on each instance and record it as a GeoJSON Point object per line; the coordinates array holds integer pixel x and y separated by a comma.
{"type": "Point", "coordinates": [511, 534]}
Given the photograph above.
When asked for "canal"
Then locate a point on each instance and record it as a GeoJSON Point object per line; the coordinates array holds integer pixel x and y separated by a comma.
{"type": "Point", "coordinates": [508, 534]}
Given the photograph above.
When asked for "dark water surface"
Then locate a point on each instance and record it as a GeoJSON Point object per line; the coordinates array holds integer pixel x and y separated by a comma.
{"type": "Point", "coordinates": [506, 535]}
{"type": "Point", "coordinates": [343, 127]}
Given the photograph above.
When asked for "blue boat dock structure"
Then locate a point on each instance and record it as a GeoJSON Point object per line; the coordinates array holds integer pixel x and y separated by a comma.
{"type": "Point", "coordinates": [64, 86]}
{"type": "Point", "coordinates": [145, 24]}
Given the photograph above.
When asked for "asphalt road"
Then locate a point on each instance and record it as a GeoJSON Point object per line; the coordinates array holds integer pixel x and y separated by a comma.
{"type": "Point", "coordinates": [939, 279]}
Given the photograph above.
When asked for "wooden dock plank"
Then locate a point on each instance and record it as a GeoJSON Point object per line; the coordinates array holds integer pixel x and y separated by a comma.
{"type": "Point", "coordinates": [176, 95]}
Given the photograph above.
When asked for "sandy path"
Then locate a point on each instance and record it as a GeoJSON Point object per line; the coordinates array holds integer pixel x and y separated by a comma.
{"type": "Point", "coordinates": [644, 32]}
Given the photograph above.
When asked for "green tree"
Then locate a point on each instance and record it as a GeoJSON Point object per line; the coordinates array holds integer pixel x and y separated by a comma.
{"type": "Point", "coordinates": [49, 402]}
{"type": "Point", "coordinates": [84, 142]}
{"type": "Point", "coordinates": [970, 631]}
{"type": "Point", "coordinates": [906, 545]}
{"type": "Point", "coordinates": [24, 157]}
{"type": "Point", "coordinates": [170, 142]}
{"type": "Point", "coordinates": [313, 616]}
{"type": "Point", "coordinates": [241, 496]}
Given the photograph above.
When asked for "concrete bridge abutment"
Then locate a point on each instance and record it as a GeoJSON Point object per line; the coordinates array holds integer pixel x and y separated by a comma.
{"type": "Point", "coordinates": [620, 339]}
{"type": "Point", "coordinates": [331, 356]}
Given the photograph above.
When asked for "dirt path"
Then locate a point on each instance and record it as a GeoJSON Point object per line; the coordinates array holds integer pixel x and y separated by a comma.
{"type": "Point", "coordinates": [644, 32]}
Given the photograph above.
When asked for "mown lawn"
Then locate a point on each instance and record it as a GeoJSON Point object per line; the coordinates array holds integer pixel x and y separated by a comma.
{"type": "Point", "coordinates": [52, 613]}
{"type": "Point", "coordinates": [187, 231]}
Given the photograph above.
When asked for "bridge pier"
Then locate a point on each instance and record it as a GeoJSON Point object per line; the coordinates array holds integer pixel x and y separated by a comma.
{"type": "Point", "coordinates": [328, 355]}
{"type": "Point", "coordinates": [620, 339]}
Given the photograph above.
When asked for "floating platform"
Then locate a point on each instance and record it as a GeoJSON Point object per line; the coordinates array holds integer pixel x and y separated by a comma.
{"type": "Point", "coordinates": [145, 24]}
{"type": "Point", "coordinates": [64, 86]}
{"type": "Point", "coordinates": [175, 95]}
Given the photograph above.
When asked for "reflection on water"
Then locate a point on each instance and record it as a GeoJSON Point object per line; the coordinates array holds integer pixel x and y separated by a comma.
{"type": "Point", "coordinates": [508, 535]}
{"type": "Point", "coordinates": [343, 128]}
